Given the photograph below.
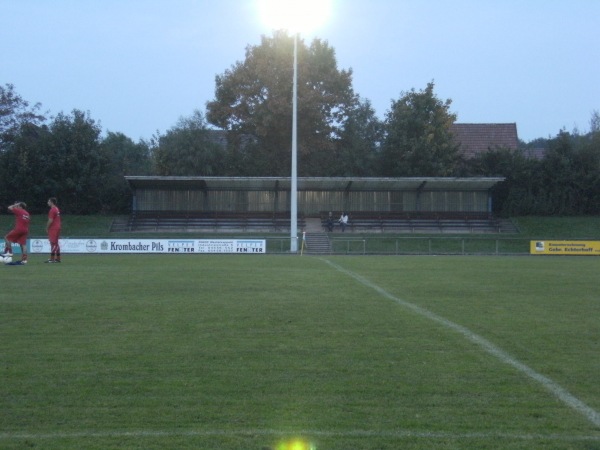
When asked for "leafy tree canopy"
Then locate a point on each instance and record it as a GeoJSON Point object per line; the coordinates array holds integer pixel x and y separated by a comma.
{"type": "Point", "coordinates": [418, 140]}
{"type": "Point", "coordinates": [360, 142]}
{"type": "Point", "coordinates": [14, 112]}
{"type": "Point", "coordinates": [187, 149]}
{"type": "Point", "coordinates": [254, 98]}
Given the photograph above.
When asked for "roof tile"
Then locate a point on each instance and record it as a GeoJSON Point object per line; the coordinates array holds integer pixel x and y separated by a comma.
{"type": "Point", "coordinates": [477, 138]}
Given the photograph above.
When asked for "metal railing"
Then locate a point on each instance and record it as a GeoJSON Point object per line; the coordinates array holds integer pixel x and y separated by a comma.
{"type": "Point", "coordinates": [426, 245]}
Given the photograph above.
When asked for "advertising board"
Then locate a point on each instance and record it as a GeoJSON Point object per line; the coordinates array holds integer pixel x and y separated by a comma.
{"type": "Point", "coordinates": [150, 246]}
{"type": "Point", "coordinates": [571, 248]}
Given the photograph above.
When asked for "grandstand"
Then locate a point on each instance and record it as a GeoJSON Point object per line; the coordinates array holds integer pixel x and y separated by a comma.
{"type": "Point", "coordinates": [261, 204]}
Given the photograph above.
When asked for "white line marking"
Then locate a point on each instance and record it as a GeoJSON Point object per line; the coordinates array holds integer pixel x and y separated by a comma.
{"type": "Point", "coordinates": [90, 434]}
{"type": "Point", "coordinates": [558, 391]}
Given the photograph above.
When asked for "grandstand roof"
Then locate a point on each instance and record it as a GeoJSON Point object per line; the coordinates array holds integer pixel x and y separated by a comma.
{"type": "Point", "coordinates": [314, 183]}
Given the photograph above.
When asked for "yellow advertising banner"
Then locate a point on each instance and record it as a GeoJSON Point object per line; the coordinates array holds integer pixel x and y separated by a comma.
{"type": "Point", "coordinates": [571, 248]}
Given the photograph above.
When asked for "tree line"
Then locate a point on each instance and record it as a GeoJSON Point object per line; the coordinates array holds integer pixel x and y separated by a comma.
{"type": "Point", "coordinates": [339, 134]}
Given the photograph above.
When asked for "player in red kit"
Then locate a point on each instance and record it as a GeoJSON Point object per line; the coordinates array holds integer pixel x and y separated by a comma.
{"type": "Point", "coordinates": [18, 235]}
{"type": "Point", "coordinates": [53, 230]}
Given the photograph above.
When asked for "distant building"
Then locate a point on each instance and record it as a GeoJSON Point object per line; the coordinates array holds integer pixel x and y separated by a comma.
{"type": "Point", "coordinates": [478, 138]}
{"type": "Point", "coordinates": [221, 138]}
{"type": "Point", "coordinates": [538, 153]}
{"type": "Point", "coordinates": [218, 137]}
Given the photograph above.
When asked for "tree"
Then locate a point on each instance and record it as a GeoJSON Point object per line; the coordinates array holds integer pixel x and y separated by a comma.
{"type": "Point", "coordinates": [558, 173]}
{"type": "Point", "coordinates": [519, 193]}
{"type": "Point", "coordinates": [125, 156]}
{"type": "Point", "coordinates": [254, 98]}
{"type": "Point", "coordinates": [418, 140]}
{"type": "Point", "coordinates": [360, 142]}
{"type": "Point", "coordinates": [75, 166]}
{"type": "Point", "coordinates": [187, 149]}
{"type": "Point", "coordinates": [61, 159]}
{"type": "Point", "coordinates": [572, 174]}
{"type": "Point", "coordinates": [23, 164]}
{"type": "Point", "coordinates": [15, 112]}
{"type": "Point", "coordinates": [595, 122]}
{"type": "Point", "coordinates": [121, 156]}
{"type": "Point", "coordinates": [587, 174]}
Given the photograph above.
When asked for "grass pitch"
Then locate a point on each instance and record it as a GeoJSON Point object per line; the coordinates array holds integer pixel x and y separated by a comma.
{"type": "Point", "coordinates": [251, 352]}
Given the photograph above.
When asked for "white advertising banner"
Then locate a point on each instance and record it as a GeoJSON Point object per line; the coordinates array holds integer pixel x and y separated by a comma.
{"type": "Point", "coordinates": [180, 246]}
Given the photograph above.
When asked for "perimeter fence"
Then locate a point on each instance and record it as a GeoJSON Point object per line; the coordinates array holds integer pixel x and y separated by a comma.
{"type": "Point", "coordinates": [413, 246]}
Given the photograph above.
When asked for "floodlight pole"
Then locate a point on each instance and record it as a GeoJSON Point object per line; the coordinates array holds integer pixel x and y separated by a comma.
{"type": "Point", "coordinates": [294, 178]}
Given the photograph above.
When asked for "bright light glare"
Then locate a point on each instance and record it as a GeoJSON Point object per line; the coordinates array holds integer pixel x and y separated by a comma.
{"type": "Point", "coordinates": [296, 444]}
{"type": "Point", "coordinates": [296, 16]}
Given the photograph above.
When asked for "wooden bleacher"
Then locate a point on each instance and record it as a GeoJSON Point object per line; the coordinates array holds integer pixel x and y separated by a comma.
{"type": "Point", "coordinates": [151, 221]}
{"type": "Point", "coordinates": [418, 222]}
{"type": "Point", "coordinates": [269, 222]}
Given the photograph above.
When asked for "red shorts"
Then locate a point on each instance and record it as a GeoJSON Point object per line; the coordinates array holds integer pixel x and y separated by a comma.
{"type": "Point", "coordinates": [53, 235]}
{"type": "Point", "coordinates": [17, 237]}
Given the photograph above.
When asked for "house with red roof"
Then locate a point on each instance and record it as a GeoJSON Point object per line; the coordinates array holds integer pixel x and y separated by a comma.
{"type": "Point", "coordinates": [478, 138]}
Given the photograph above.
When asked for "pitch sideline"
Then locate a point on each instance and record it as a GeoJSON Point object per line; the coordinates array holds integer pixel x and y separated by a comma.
{"type": "Point", "coordinates": [399, 434]}
{"type": "Point", "coordinates": [554, 388]}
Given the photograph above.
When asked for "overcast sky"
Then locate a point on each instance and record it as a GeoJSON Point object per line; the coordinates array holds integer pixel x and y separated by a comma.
{"type": "Point", "coordinates": [139, 65]}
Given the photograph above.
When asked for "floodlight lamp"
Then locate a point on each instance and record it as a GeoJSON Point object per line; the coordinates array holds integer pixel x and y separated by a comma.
{"type": "Point", "coordinates": [295, 16]}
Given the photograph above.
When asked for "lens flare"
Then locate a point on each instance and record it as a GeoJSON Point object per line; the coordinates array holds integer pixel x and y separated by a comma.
{"type": "Point", "coordinates": [295, 444]}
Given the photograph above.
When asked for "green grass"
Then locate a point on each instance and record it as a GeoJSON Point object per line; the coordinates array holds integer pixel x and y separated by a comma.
{"type": "Point", "coordinates": [72, 226]}
{"type": "Point", "coordinates": [560, 227]}
{"type": "Point", "coordinates": [531, 227]}
{"type": "Point", "coordinates": [243, 352]}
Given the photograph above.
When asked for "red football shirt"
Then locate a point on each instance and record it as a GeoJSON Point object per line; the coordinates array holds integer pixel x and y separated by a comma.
{"type": "Point", "coordinates": [22, 219]}
{"type": "Point", "coordinates": [54, 214]}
